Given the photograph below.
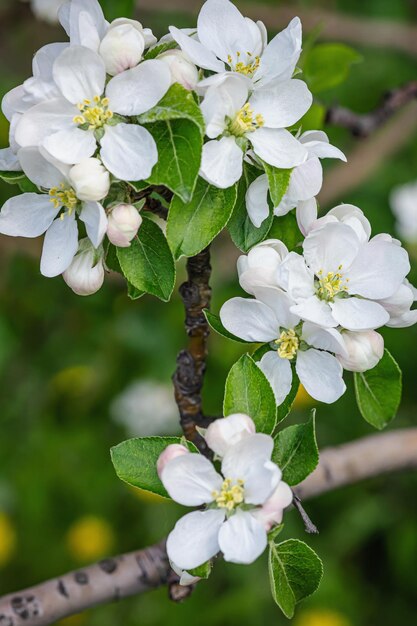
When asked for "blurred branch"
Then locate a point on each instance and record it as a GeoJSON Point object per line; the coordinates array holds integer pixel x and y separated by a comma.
{"type": "Point", "coordinates": [137, 572]}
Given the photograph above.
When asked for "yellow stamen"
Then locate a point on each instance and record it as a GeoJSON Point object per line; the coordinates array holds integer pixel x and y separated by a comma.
{"type": "Point", "coordinates": [249, 68]}
{"type": "Point", "coordinates": [288, 344]}
{"type": "Point", "coordinates": [95, 114]}
{"type": "Point", "coordinates": [246, 121]}
{"type": "Point", "coordinates": [230, 496]}
{"type": "Point", "coordinates": [65, 197]}
{"type": "Point", "coordinates": [331, 284]}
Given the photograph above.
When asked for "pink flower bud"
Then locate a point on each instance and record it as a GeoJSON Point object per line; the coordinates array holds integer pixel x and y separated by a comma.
{"type": "Point", "coordinates": [122, 47]}
{"type": "Point", "coordinates": [227, 431]}
{"type": "Point", "coordinates": [170, 453]}
{"type": "Point", "coordinates": [90, 180]}
{"type": "Point", "coordinates": [85, 275]}
{"type": "Point", "coordinates": [271, 513]}
{"type": "Point", "coordinates": [123, 224]}
{"type": "Point", "coordinates": [365, 350]}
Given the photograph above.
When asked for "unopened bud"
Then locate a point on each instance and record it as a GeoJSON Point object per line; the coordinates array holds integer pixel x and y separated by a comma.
{"type": "Point", "coordinates": [123, 224]}
{"type": "Point", "coordinates": [228, 431]}
{"type": "Point", "coordinates": [90, 180]}
{"type": "Point", "coordinates": [85, 275]}
{"type": "Point", "coordinates": [183, 70]}
{"type": "Point", "coordinates": [272, 511]}
{"type": "Point", "coordinates": [170, 453]}
{"type": "Point", "coordinates": [364, 349]}
{"type": "Point", "coordinates": [122, 47]}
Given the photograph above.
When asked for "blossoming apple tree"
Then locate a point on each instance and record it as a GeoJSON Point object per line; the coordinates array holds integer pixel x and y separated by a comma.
{"type": "Point", "coordinates": [207, 129]}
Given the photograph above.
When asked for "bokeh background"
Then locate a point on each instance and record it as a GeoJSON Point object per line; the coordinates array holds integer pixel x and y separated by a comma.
{"type": "Point", "coordinates": [80, 375]}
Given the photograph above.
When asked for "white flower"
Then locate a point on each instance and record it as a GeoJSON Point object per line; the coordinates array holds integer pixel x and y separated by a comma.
{"type": "Point", "coordinates": [124, 222]}
{"type": "Point", "coordinates": [229, 522]}
{"type": "Point", "coordinates": [399, 306]}
{"type": "Point", "coordinates": [223, 433]}
{"type": "Point", "coordinates": [171, 452]}
{"type": "Point", "coordinates": [259, 267]}
{"type": "Point", "coordinates": [345, 213]}
{"type": "Point", "coordinates": [235, 120]}
{"type": "Point", "coordinates": [85, 275]}
{"type": "Point", "coordinates": [183, 71]}
{"type": "Point", "coordinates": [70, 126]}
{"type": "Point", "coordinates": [47, 10]}
{"type": "Point", "coordinates": [53, 212]}
{"type": "Point", "coordinates": [123, 45]}
{"type": "Point", "coordinates": [403, 201]}
{"type": "Point", "coordinates": [305, 182]}
{"type": "Point", "coordinates": [90, 180]}
{"type": "Point", "coordinates": [269, 318]}
{"type": "Point", "coordinates": [228, 42]}
{"type": "Point", "coordinates": [364, 350]}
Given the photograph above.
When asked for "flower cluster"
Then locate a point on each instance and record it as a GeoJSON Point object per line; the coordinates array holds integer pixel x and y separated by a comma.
{"type": "Point", "coordinates": [319, 310]}
{"type": "Point", "coordinates": [241, 504]}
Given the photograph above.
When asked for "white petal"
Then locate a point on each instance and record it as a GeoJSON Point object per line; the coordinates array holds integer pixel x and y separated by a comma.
{"type": "Point", "coordinates": [190, 479]}
{"type": "Point", "coordinates": [137, 90]}
{"type": "Point", "coordinates": [295, 277]}
{"type": "Point", "coordinates": [43, 120]}
{"type": "Point", "coordinates": [358, 314]}
{"type": "Point", "coordinates": [39, 170]}
{"type": "Point", "coordinates": [228, 431]}
{"type": "Point", "coordinates": [328, 339]}
{"type": "Point", "coordinates": [222, 162]}
{"type": "Point", "coordinates": [80, 74]}
{"type": "Point", "coordinates": [250, 460]}
{"type": "Point", "coordinates": [249, 319]}
{"type": "Point", "coordinates": [324, 150]}
{"type": "Point", "coordinates": [59, 247]}
{"type": "Point", "coordinates": [306, 180]}
{"type": "Point", "coordinates": [316, 311]}
{"type": "Point", "coordinates": [242, 539]}
{"type": "Point", "coordinates": [12, 102]}
{"type": "Point", "coordinates": [321, 374]}
{"type": "Point", "coordinates": [282, 104]}
{"type": "Point", "coordinates": [95, 219]}
{"type": "Point", "coordinates": [84, 22]}
{"type": "Point", "coordinates": [278, 147]}
{"type": "Point", "coordinates": [194, 539]}
{"type": "Point", "coordinates": [9, 161]}
{"type": "Point", "coordinates": [129, 152]}
{"type": "Point", "coordinates": [198, 53]}
{"type": "Point", "coordinates": [306, 215]}
{"type": "Point", "coordinates": [27, 215]}
{"type": "Point", "coordinates": [223, 101]}
{"type": "Point", "coordinates": [281, 55]}
{"type": "Point", "coordinates": [257, 200]}
{"type": "Point", "coordinates": [279, 302]}
{"type": "Point", "coordinates": [329, 247]}
{"type": "Point", "coordinates": [279, 373]}
{"type": "Point", "coordinates": [71, 146]}
{"type": "Point", "coordinates": [44, 60]}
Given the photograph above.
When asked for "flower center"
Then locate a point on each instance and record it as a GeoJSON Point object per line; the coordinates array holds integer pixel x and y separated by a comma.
{"type": "Point", "coordinates": [230, 495]}
{"type": "Point", "coordinates": [288, 344]}
{"type": "Point", "coordinates": [63, 196]}
{"type": "Point", "coordinates": [330, 285]}
{"type": "Point", "coordinates": [246, 121]}
{"type": "Point", "coordinates": [248, 68]}
{"type": "Point", "coordinates": [95, 113]}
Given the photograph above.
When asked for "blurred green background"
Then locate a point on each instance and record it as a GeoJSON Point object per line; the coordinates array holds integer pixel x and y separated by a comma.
{"type": "Point", "coordinates": [79, 375]}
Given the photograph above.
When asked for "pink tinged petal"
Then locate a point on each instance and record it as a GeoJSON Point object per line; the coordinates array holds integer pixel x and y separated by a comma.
{"type": "Point", "coordinates": [194, 539]}
{"type": "Point", "coordinates": [191, 479]}
{"type": "Point", "coordinates": [250, 460]}
{"type": "Point", "coordinates": [95, 219]}
{"type": "Point", "coordinates": [249, 320]}
{"type": "Point", "coordinates": [45, 119]}
{"type": "Point", "coordinates": [359, 314]}
{"type": "Point", "coordinates": [328, 339]}
{"type": "Point", "coordinates": [129, 152]}
{"type": "Point", "coordinates": [71, 146]}
{"type": "Point", "coordinates": [279, 302]}
{"type": "Point", "coordinates": [80, 74]}
{"type": "Point", "coordinates": [277, 147]}
{"type": "Point", "coordinates": [282, 104]}
{"type": "Point", "coordinates": [281, 55]}
{"type": "Point", "coordinates": [222, 162]}
{"type": "Point", "coordinates": [242, 538]}
{"type": "Point", "coordinates": [271, 513]}
{"type": "Point", "coordinates": [257, 200]}
{"type": "Point", "coordinates": [137, 90]}
{"type": "Point", "coordinates": [316, 311]}
{"type": "Point", "coordinates": [9, 161]}
{"type": "Point", "coordinates": [171, 452]}
{"type": "Point", "coordinates": [27, 215]}
{"type": "Point", "coordinates": [60, 246]}
{"type": "Point", "coordinates": [378, 270]}
{"type": "Point", "coordinates": [228, 431]}
{"type": "Point", "coordinates": [306, 180]}
{"type": "Point", "coordinates": [199, 54]}
{"type": "Point", "coordinates": [321, 374]}
{"type": "Point", "coordinates": [39, 170]}
{"type": "Point", "coordinates": [279, 374]}
{"type": "Point", "coordinates": [331, 246]}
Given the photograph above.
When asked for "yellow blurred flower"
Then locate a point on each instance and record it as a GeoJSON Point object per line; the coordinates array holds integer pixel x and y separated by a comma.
{"type": "Point", "coordinates": [146, 496]}
{"type": "Point", "coordinates": [303, 400]}
{"type": "Point", "coordinates": [90, 538]}
{"type": "Point", "coordinates": [74, 381]}
{"type": "Point", "coordinates": [321, 617]}
{"type": "Point", "coordinates": [7, 539]}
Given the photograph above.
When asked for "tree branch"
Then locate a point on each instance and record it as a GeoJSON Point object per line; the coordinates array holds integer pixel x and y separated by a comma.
{"type": "Point", "coordinates": [362, 125]}
{"type": "Point", "coordinates": [137, 572]}
{"type": "Point", "coordinates": [191, 363]}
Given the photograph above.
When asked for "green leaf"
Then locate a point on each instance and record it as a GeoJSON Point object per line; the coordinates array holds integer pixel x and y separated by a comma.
{"type": "Point", "coordinates": [148, 264]}
{"type": "Point", "coordinates": [112, 262]}
{"type": "Point", "coordinates": [279, 180]}
{"type": "Point", "coordinates": [21, 180]}
{"type": "Point", "coordinates": [285, 408]}
{"type": "Point", "coordinates": [378, 392]}
{"type": "Point", "coordinates": [193, 225]}
{"type": "Point", "coordinates": [328, 65]}
{"type": "Point", "coordinates": [202, 571]}
{"type": "Point", "coordinates": [248, 391]}
{"type": "Point", "coordinates": [135, 461]}
{"type": "Point", "coordinates": [121, 8]}
{"type": "Point", "coordinates": [158, 49]}
{"type": "Point", "coordinates": [295, 451]}
{"type": "Point", "coordinates": [295, 572]}
{"type": "Point", "coordinates": [286, 229]}
{"type": "Point", "coordinates": [177, 104]}
{"type": "Point", "coordinates": [243, 233]}
{"type": "Point", "coordinates": [215, 323]}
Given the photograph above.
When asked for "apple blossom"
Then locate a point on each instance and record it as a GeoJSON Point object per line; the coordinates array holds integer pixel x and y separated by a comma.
{"type": "Point", "coordinates": [403, 201]}
{"type": "Point", "coordinates": [90, 180]}
{"type": "Point", "coordinates": [183, 71]}
{"type": "Point", "coordinates": [121, 48]}
{"type": "Point", "coordinates": [229, 521]}
{"type": "Point", "coordinates": [364, 350]}
{"type": "Point", "coordinates": [399, 306]}
{"type": "Point", "coordinates": [223, 433]}
{"type": "Point", "coordinates": [171, 452]}
{"type": "Point", "coordinates": [259, 267]}
{"type": "Point", "coordinates": [85, 275]}
{"type": "Point", "coordinates": [124, 222]}
{"type": "Point", "coordinates": [271, 512]}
